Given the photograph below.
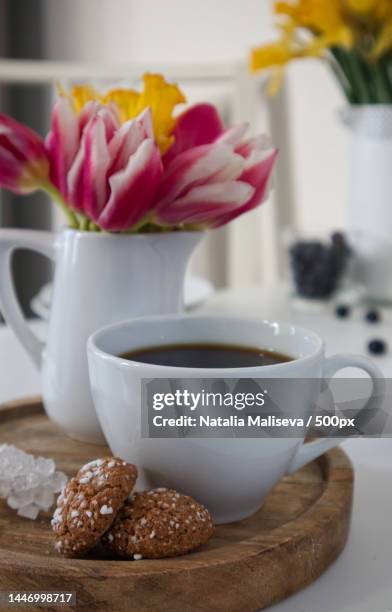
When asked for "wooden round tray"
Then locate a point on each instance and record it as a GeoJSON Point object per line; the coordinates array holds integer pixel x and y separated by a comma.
{"type": "Point", "coordinates": [300, 530]}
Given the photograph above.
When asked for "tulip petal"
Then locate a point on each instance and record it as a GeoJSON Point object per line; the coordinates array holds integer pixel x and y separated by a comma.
{"type": "Point", "coordinates": [23, 160]}
{"type": "Point", "coordinates": [75, 180]}
{"type": "Point", "coordinates": [75, 177]}
{"type": "Point", "coordinates": [96, 164]}
{"type": "Point", "coordinates": [10, 149]}
{"type": "Point", "coordinates": [256, 158]}
{"type": "Point", "coordinates": [125, 143]}
{"type": "Point", "coordinates": [133, 189]}
{"type": "Point", "coordinates": [62, 143]}
{"type": "Point", "coordinates": [10, 171]}
{"type": "Point", "coordinates": [258, 175]}
{"type": "Point", "coordinates": [198, 125]}
{"type": "Point", "coordinates": [206, 203]}
{"type": "Point", "coordinates": [234, 135]}
{"type": "Point", "coordinates": [26, 144]}
{"type": "Point", "coordinates": [21, 178]}
{"type": "Point", "coordinates": [110, 121]}
{"type": "Point", "coordinates": [194, 167]}
{"type": "Point", "coordinates": [145, 118]}
{"type": "Point", "coordinates": [231, 171]}
{"type": "Point", "coordinates": [89, 110]}
{"type": "Point", "coordinates": [261, 142]}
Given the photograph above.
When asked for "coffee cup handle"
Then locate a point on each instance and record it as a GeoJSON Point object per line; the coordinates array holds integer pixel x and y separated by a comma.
{"type": "Point", "coordinates": [11, 240]}
{"type": "Point", "coordinates": [311, 450]}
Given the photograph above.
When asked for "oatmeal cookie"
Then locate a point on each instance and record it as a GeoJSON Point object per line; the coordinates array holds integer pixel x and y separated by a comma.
{"type": "Point", "coordinates": [158, 523]}
{"type": "Point", "coordinates": [89, 503]}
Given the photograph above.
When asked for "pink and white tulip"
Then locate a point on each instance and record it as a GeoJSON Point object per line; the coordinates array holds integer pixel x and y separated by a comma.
{"type": "Point", "coordinates": [113, 174]}
{"type": "Point", "coordinates": [201, 124]}
{"type": "Point", "coordinates": [259, 161]}
{"type": "Point", "coordinates": [24, 166]}
{"type": "Point", "coordinates": [211, 175]}
{"type": "Point", "coordinates": [200, 185]}
{"type": "Point", "coordinates": [107, 171]}
{"type": "Point", "coordinates": [64, 139]}
{"type": "Point", "coordinates": [116, 172]}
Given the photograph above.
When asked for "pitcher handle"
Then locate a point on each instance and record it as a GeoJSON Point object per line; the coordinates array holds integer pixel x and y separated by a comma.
{"type": "Point", "coordinates": [311, 450]}
{"type": "Point", "coordinates": [10, 240]}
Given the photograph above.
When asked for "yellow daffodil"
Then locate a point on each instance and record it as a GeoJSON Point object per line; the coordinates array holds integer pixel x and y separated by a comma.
{"type": "Point", "coordinates": [157, 94]}
{"type": "Point", "coordinates": [322, 18]}
{"type": "Point", "coordinates": [354, 35]}
{"type": "Point", "coordinates": [275, 54]}
{"type": "Point", "coordinates": [80, 95]}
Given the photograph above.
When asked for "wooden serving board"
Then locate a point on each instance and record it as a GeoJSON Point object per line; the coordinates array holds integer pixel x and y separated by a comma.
{"type": "Point", "coordinates": [300, 530]}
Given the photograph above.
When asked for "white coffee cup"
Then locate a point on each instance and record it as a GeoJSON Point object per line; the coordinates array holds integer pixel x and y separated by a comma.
{"type": "Point", "coordinates": [230, 476]}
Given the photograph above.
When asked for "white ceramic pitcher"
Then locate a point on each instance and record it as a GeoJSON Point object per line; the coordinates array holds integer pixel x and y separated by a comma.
{"type": "Point", "coordinates": [99, 279]}
{"type": "Point", "coordinates": [370, 197]}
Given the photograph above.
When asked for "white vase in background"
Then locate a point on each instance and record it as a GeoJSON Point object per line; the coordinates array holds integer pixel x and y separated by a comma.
{"type": "Point", "coordinates": [370, 197]}
{"type": "Point", "coordinates": [99, 278]}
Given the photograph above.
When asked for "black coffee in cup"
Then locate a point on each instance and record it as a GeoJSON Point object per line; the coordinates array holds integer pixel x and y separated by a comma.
{"type": "Point", "coordinates": [204, 355]}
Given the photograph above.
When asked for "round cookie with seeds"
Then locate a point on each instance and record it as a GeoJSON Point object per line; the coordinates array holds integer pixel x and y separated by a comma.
{"type": "Point", "coordinates": [89, 502]}
{"type": "Point", "coordinates": [159, 523]}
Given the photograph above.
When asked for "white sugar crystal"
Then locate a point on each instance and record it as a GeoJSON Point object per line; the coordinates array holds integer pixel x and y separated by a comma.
{"type": "Point", "coordinates": [110, 537]}
{"type": "Point", "coordinates": [45, 466]}
{"type": "Point", "coordinates": [86, 478]}
{"type": "Point", "coordinates": [30, 511]}
{"type": "Point", "coordinates": [106, 509]}
{"type": "Point", "coordinates": [74, 513]}
{"type": "Point", "coordinates": [43, 498]}
{"type": "Point", "coordinates": [137, 557]}
{"type": "Point", "coordinates": [21, 482]}
{"type": "Point", "coordinates": [58, 481]}
{"type": "Point", "coordinates": [13, 502]}
{"type": "Point", "coordinates": [20, 498]}
{"type": "Point", "coordinates": [27, 482]}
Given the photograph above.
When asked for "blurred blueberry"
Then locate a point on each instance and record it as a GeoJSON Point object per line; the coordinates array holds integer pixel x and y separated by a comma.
{"type": "Point", "coordinates": [342, 311]}
{"type": "Point", "coordinates": [377, 346]}
{"type": "Point", "coordinates": [373, 316]}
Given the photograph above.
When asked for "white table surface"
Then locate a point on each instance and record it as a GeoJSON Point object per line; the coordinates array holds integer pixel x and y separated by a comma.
{"type": "Point", "coordinates": [361, 579]}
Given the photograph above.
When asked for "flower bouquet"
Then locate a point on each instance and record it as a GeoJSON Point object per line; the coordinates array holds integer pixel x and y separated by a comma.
{"type": "Point", "coordinates": [137, 183]}
{"type": "Point", "coordinates": [354, 36]}
{"type": "Point", "coordinates": [121, 162]}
